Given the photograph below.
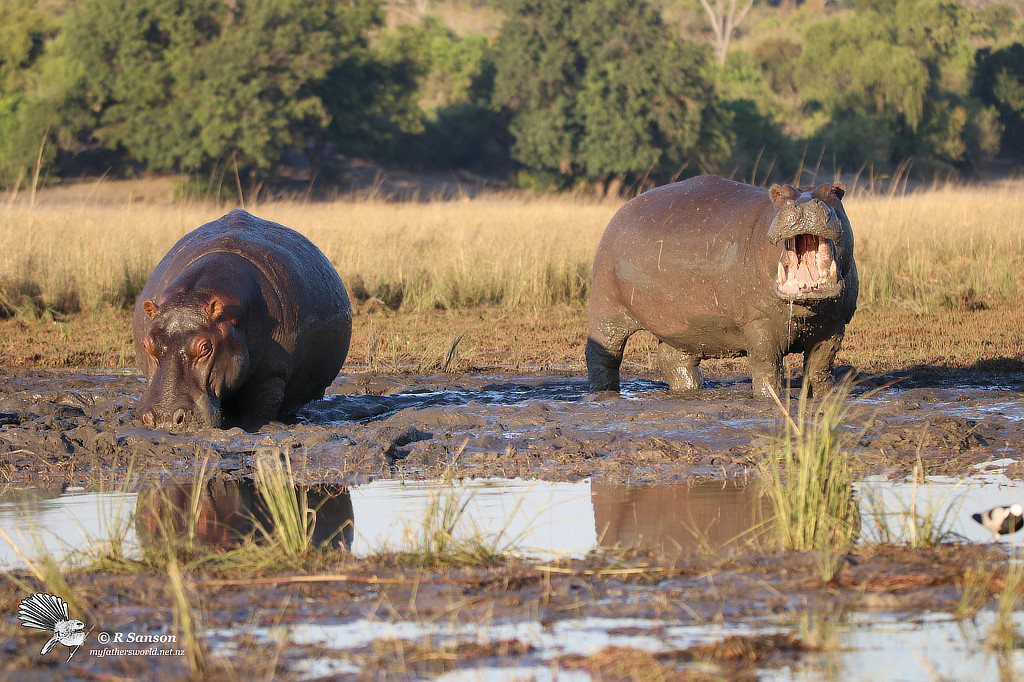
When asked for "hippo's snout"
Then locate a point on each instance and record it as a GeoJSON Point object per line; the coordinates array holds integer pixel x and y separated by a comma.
{"type": "Point", "coordinates": [813, 217]}
{"type": "Point", "coordinates": [202, 415]}
{"type": "Point", "coordinates": [177, 419]}
{"type": "Point", "coordinates": [807, 266]}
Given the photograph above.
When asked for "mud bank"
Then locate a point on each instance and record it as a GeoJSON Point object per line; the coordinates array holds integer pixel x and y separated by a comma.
{"type": "Point", "coordinates": [77, 428]}
{"type": "Point", "coordinates": [713, 618]}
{"type": "Point", "coordinates": [622, 613]}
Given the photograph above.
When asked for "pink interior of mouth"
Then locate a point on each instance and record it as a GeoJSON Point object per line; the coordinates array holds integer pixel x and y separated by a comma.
{"type": "Point", "coordinates": [806, 264]}
{"type": "Point", "coordinates": [804, 258]}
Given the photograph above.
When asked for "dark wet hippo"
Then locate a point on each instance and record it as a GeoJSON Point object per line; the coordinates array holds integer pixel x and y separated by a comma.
{"type": "Point", "coordinates": [243, 321]}
{"type": "Point", "coordinates": [715, 268]}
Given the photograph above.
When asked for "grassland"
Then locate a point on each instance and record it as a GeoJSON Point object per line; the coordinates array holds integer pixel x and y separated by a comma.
{"type": "Point", "coordinates": [940, 273]}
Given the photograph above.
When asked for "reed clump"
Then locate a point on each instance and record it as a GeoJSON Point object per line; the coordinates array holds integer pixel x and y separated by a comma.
{"type": "Point", "coordinates": [807, 476]}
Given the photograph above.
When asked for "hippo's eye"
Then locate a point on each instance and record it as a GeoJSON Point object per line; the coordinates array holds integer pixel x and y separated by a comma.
{"type": "Point", "coordinates": [154, 350]}
{"type": "Point", "coordinates": [204, 349]}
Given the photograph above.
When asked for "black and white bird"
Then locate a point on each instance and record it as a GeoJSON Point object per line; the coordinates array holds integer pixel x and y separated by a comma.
{"type": "Point", "coordinates": [1002, 520]}
{"type": "Point", "coordinates": [47, 612]}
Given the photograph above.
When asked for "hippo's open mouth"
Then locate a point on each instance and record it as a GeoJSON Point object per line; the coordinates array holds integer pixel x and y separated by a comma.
{"type": "Point", "coordinates": [807, 269]}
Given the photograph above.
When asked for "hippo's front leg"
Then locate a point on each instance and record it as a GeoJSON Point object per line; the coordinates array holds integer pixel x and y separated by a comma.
{"type": "Point", "coordinates": [682, 370]}
{"type": "Point", "coordinates": [764, 355]}
{"type": "Point", "coordinates": [260, 402]}
{"type": "Point", "coordinates": [818, 363]}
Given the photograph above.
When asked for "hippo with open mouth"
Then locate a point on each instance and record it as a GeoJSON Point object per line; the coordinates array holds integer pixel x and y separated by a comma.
{"type": "Point", "coordinates": [243, 321]}
{"type": "Point", "coordinates": [715, 268]}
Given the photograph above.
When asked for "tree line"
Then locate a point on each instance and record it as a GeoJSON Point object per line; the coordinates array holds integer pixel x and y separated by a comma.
{"type": "Point", "coordinates": [561, 93]}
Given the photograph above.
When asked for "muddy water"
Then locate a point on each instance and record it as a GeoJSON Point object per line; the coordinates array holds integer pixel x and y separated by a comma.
{"type": "Point", "coordinates": [542, 520]}
{"type": "Point", "coordinates": [41, 521]}
{"type": "Point", "coordinates": [874, 647]}
{"type": "Point", "coordinates": [77, 428]}
{"type": "Point", "coordinates": [548, 521]}
{"type": "Point", "coordinates": [639, 470]}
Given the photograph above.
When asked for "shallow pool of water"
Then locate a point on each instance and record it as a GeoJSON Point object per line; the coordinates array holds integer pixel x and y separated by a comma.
{"type": "Point", "coordinates": [550, 520]}
{"type": "Point", "coordinates": [537, 518]}
{"type": "Point", "coordinates": [62, 524]}
{"type": "Point", "coordinates": [859, 646]}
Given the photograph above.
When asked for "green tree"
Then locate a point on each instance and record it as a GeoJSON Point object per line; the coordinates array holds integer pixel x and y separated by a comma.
{"type": "Point", "coordinates": [24, 32]}
{"type": "Point", "coordinates": [183, 84]}
{"type": "Point", "coordinates": [896, 71]}
{"type": "Point", "coordinates": [454, 79]}
{"type": "Point", "coordinates": [999, 81]}
{"type": "Point", "coordinates": [599, 90]}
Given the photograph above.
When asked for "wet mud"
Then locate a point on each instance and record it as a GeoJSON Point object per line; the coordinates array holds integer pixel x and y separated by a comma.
{"type": "Point", "coordinates": [733, 616]}
{"type": "Point", "coordinates": [357, 618]}
{"type": "Point", "coordinates": [78, 428]}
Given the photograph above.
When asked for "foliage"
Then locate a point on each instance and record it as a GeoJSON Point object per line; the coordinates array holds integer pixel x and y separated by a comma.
{"type": "Point", "coordinates": [453, 80]}
{"type": "Point", "coordinates": [447, 67]}
{"type": "Point", "coordinates": [23, 33]}
{"type": "Point", "coordinates": [597, 91]}
{"type": "Point", "coordinates": [888, 68]}
{"type": "Point", "coordinates": [762, 151]}
{"type": "Point", "coordinates": [999, 82]}
{"type": "Point", "coordinates": [777, 59]}
{"type": "Point", "coordinates": [600, 89]}
{"type": "Point", "coordinates": [180, 85]}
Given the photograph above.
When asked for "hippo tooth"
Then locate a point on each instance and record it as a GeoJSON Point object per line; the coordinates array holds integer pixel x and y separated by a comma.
{"type": "Point", "coordinates": [824, 256]}
{"type": "Point", "coordinates": [832, 270]}
{"type": "Point", "coordinates": [782, 274]}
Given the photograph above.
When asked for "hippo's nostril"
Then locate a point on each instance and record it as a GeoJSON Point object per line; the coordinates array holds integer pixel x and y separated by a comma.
{"type": "Point", "coordinates": [179, 417]}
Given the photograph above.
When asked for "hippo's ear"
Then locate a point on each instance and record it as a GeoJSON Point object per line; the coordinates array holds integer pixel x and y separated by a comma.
{"type": "Point", "coordinates": [824, 191]}
{"type": "Point", "coordinates": [222, 311]}
{"type": "Point", "coordinates": [777, 192]}
{"type": "Point", "coordinates": [150, 308]}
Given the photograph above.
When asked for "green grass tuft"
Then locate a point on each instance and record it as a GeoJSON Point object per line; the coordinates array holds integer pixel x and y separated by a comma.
{"type": "Point", "coordinates": [807, 477]}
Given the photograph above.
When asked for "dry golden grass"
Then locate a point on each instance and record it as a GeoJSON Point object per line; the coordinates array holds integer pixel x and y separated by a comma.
{"type": "Point", "coordinates": [506, 251]}
{"type": "Point", "coordinates": [937, 247]}
{"type": "Point", "coordinates": [940, 274]}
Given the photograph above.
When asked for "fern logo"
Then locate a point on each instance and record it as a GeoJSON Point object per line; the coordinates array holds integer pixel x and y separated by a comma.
{"type": "Point", "coordinates": [48, 612]}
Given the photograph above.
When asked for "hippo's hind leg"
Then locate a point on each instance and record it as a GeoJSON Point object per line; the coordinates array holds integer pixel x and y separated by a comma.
{"type": "Point", "coordinates": [605, 344]}
{"type": "Point", "coordinates": [681, 369]}
{"type": "Point", "coordinates": [818, 364]}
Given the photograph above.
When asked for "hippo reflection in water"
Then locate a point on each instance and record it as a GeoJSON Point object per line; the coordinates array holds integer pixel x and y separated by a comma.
{"type": "Point", "coordinates": [228, 511]}
{"type": "Point", "coordinates": [689, 519]}
{"type": "Point", "coordinates": [715, 268]}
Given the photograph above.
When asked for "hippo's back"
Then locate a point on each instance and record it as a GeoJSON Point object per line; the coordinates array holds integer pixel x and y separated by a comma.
{"type": "Point", "coordinates": [684, 247]}
{"type": "Point", "coordinates": [303, 279]}
{"type": "Point", "coordinates": [284, 255]}
{"type": "Point", "coordinates": [695, 210]}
